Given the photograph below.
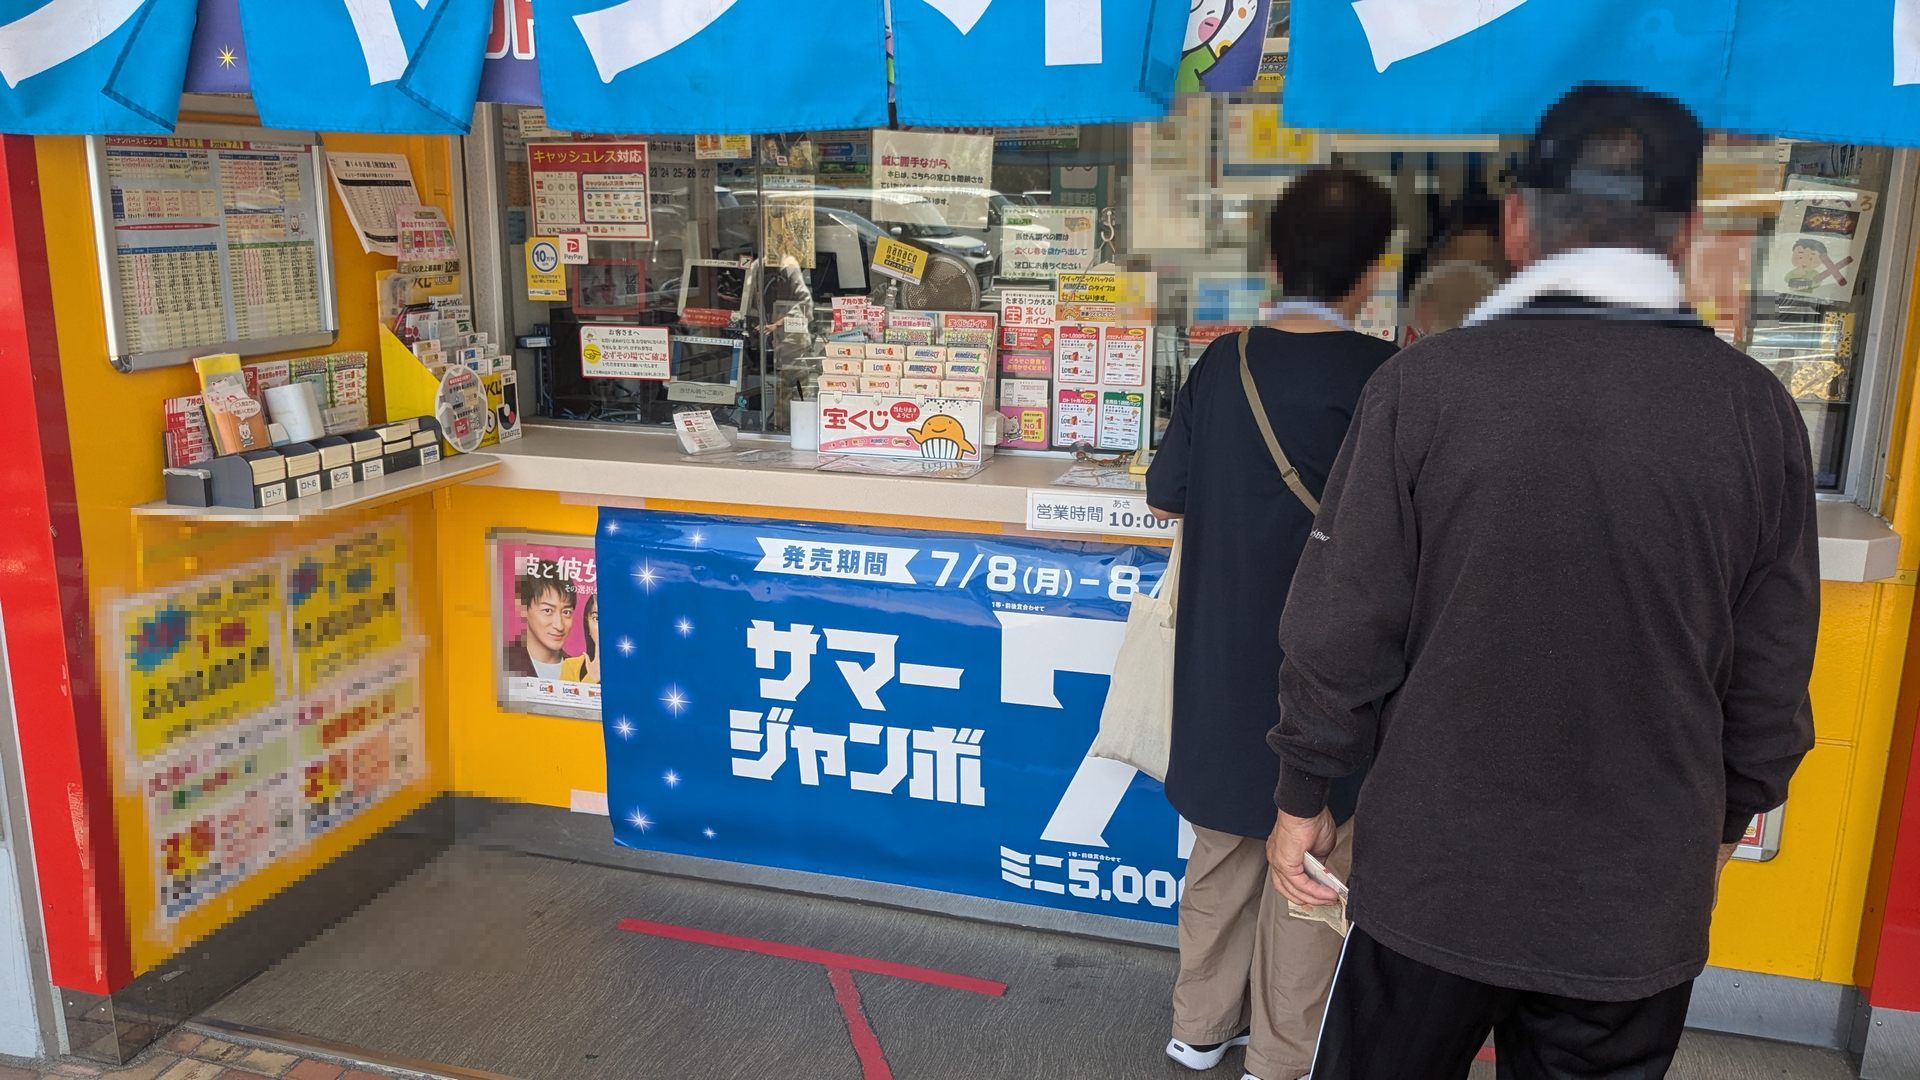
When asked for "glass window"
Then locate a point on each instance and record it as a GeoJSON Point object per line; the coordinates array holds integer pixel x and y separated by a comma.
{"type": "Point", "coordinates": [760, 255]}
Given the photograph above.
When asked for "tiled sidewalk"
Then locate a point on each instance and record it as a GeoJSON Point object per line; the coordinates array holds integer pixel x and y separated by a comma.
{"type": "Point", "coordinates": [187, 1055]}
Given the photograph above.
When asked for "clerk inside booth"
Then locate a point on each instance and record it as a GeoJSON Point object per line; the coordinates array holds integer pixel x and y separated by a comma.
{"type": "Point", "coordinates": [970, 558]}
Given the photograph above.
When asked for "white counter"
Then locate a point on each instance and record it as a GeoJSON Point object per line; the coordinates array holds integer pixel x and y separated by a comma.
{"type": "Point", "coordinates": [627, 467]}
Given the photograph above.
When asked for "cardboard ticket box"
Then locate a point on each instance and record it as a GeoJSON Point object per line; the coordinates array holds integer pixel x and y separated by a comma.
{"type": "Point", "coordinates": [895, 353]}
{"type": "Point", "coordinates": [886, 369]}
{"type": "Point", "coordinates": [920, 387]}
{"type": "Point", "coordinates": [894, 425]}
{"type": "Point", "coordinates": [840, 384]}
{"type": "Point", "coordinates": [971, 389]}
{"type": "Point", "coordinates": [303, 469]}
{"type": "Point", "coordinates": [846, 350]}
{"type": "Point", "coordinates": [967, 369]}
{"type": "Point", "coordinates": [369, 455]}
{"type": "Point", "coordinates": [879, 385]}
{"type": "Point", "coordinates": [927, 354]}
{"type": "Point", "coordinates": [919, 369]}
{"type": "Point", "coordinates": [834, 365]}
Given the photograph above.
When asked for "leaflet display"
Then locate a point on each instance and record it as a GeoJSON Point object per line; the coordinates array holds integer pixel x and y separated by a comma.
{"type": "Point", "coordinates": [214, 239]}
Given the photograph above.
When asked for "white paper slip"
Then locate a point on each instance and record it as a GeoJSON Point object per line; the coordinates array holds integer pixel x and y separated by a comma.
{"type": "Point", "coordinates": [699, 434]}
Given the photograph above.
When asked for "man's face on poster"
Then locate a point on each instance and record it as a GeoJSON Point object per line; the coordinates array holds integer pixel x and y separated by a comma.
{"type": "Point", "coordinates": [549, 620]}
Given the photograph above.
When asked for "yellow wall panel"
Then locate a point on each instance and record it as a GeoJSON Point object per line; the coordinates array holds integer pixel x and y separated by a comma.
{"type": "Point", "coordinates": [114, 420]}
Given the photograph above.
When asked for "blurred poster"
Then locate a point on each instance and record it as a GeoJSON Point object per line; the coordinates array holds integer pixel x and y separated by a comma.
{"type": "Point", "coordinates": [1819, 240]}
{"type": "Point", "coordinates": [1172, 182]}
{"type": "Point", "coordinates": [547, 624]}
{"type": "Point", "coordinates": [1719, 276]}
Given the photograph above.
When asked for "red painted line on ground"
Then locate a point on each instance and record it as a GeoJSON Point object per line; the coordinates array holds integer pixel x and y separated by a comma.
{"type": "Point", "coordinates": [824, 958]}
{"type": "Point", "coordinates": [873, 1060]}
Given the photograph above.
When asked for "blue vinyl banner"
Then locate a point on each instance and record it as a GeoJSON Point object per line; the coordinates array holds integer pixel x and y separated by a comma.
{"type": "Point", "coordinates": [1491, 67]}
{"type": "Point", "coordinates": [403, 66]}
{"type": "Point", "coordinates": [1006, 64]}
{"type": "Point", "coordinates": [703, 66]}
{"type": "Point", "coordinates": [92, 67]}
{"type": "Point", "coordinates": [901, 707]}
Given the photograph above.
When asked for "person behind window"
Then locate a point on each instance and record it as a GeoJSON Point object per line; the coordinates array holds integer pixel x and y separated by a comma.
{"type": "Point", "coordinates": [585, 668]}
{"type": "Point", "coordinates": [545, 605]}
{"type": "Point", "coordinates": [1566, 625]}
{"type": "Point", "coordinates": [1241, 955]}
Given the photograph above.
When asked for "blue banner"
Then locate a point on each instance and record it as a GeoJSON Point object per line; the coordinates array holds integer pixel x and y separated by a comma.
{"type": "Point", "coordinates": [1491, 67]}
{"type": "Point", "coordinates": [82, 67]}
{"type": "Point", "coordinates": [1007, 64]}
{"type": "Point", "coordinates": [401, 66]}
{"type": "Point", "coordinates": [902, 707]}
{"type": "Point", "coordinates": [704, 66]}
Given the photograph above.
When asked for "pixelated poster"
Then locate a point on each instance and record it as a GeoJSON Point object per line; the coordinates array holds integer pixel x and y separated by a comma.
{"type": "Point", "coordinates": [199, 656]}
{"type": "Point", "coordinates": [344, 603]}
{"type": "Point", "coordinates": [547, 622]}
{"type": "Point", "coordinates": [266, 706]}
{"type": "Point", "coordinates": [902, 707]}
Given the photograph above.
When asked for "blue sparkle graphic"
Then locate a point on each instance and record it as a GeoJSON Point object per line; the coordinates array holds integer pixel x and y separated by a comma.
{"type": "Point", "coordinates": [613, 527]}
{"type": "Point", "coordinates": [708, 833]}
{"type": "Point", "coordinates": [684, 626]}
{"type": "Point", "coordinates": [697, 538]}
{"type": "Point", "coordinates": [671, 779]}
{"type": "Point", "coordinates": [640, 820]}
{"type": "Point", "coordinates": [623, 727]}
{"type": "Point", "coordinates": [647, 576]}
{"type": "Point", "coordinates": [625, 646]}
{"type": "Point", "coordinates": [675, 700]}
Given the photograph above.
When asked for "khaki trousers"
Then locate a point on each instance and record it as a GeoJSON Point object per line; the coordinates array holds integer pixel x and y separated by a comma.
{"type": "Point", "coordinates": [1244, 962]}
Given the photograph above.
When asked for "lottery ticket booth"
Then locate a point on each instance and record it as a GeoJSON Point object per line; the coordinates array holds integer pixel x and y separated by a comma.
{"type": "Point", "coordinates": [798, 520]}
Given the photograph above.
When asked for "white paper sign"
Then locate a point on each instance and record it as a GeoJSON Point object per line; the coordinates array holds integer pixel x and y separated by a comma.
{"type": "Point", "coordinates": [1822, 231]}
{"type": "Point", "coordinates": [699, 434]}
{"type": "Point", "coordinates": [1042, 241]}
{"type": "Point", "coordinates": [1054, 510]}
{"type": "Point", "coordinates": [373, 188]}
{"type": "Point", "coordinates": [625, 352]}
{"type": "Point", "coordinates": [953, 173]}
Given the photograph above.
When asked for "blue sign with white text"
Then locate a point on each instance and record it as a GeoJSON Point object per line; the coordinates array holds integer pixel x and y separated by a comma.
{"type": "Point", "coordinates": [986, 63]}
{"type": "Point", "coordinates": [704, 66]}
{"type": "Point", "coordinates": [410, 66]}
{"type": "Point", "coordinates": [79, 67]}
{"type": "Point", "coordinates": [900, 707]}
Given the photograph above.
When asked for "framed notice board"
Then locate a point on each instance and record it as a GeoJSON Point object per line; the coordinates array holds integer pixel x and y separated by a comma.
{"type": "Point", "coordinates": [213, 239]}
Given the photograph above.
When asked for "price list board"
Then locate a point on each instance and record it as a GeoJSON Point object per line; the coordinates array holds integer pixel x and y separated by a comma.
{"type": "Point", "coordinates": [212, 240]}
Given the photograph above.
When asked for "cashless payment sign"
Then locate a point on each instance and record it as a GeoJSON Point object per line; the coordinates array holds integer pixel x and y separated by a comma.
{"type": "Point", "coordinates": [902, 707]}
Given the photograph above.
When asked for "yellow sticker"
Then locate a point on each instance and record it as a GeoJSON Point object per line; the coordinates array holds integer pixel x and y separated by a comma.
{"type": "Point", "coordinates": [898, 260]}
{"type": "Point", "coordinates": [546, 277]}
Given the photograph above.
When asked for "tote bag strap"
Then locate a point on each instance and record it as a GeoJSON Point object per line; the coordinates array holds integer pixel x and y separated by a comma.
{"type": "Point", "coordinates": [1287, 472]}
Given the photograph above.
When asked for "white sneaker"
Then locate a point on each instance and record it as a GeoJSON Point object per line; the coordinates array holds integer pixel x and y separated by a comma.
{"type": "Point", "coordinates": [1202, 1058]}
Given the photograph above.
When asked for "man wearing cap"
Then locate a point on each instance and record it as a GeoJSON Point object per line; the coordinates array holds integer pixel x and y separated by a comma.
{"type": "Point", "coordinates": [1562, 594]}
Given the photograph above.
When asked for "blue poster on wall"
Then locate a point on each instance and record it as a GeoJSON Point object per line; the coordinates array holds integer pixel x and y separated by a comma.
{"type": "Point", "coordinates": [901, 707]}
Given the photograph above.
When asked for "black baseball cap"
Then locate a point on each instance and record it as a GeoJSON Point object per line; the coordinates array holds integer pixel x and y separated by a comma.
{"type": "Point", "coordinates": [1618, 142]}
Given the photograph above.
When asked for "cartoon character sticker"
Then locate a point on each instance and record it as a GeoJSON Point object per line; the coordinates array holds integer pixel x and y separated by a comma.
{"type": "Point", "coordinates": [1212, 57]}
{"type": "Point", "coordinates": [942, 438]}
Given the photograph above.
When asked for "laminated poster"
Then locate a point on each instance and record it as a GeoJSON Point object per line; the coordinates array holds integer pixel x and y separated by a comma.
{"type": "Point", "coordinates": [547, 621]}
{"type": "Point", "coordinates": [625, 352]}
{"type": "Point", "coordinates": [1121, 412]}
{"type": "Point", "coordinates": [1077, 354]}
{"type": "Point", "coordinates": [1817, 244]}
{"type": "Point", "coordinates": [1076, 417]}
{"type": "Point", "coordinates": [1025, 428]}
{"type": "Point", "coordinates": [1123, 356]}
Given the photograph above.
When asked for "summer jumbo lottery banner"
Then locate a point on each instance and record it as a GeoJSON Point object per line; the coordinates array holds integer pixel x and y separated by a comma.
{"type": "Point", "coordinates": [903, 707]}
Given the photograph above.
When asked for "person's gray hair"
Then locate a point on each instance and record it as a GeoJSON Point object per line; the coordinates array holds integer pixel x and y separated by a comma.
{"type": "Point", "coordinates": [1562, 221]}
